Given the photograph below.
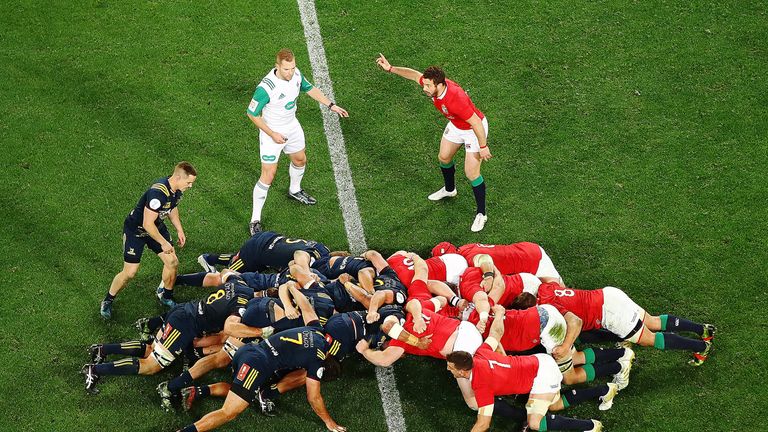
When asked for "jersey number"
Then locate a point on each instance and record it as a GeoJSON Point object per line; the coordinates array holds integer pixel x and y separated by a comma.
{"type": "Point", "coordinates": [291, 241]}
{"type": "Point", "coordinates": [215, 296]}
{"type": "Point", "coordinates": [491, 363]}
{"type": "Point", "coordinates": [408, 263]}
{"type": "Point", "coordinates": [299, 341]}
{"type": "Point", "coordinates": [564, 292]}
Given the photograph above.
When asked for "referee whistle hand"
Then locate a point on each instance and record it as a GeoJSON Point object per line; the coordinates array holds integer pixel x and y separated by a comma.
{"type": "Point", "coordinates": [278, 138]}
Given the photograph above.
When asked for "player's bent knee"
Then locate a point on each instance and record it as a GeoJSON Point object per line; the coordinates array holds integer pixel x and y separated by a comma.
{"type": "Point", "coordinates": [534, 422]}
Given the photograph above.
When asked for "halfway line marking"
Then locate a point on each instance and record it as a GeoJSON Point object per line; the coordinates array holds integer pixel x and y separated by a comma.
{"type": "Point", "coordinates": [390, 397]}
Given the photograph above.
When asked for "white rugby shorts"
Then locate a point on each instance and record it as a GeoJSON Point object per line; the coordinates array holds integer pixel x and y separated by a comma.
{"type": "Point", "coordinates": [620, 313]}
{"type": "Point", "coordinates": [468, 338]}
{"type": "Point", "coordinates": [547, 267]}
{"type": "Point", "coordinates": [548, 378]}
{"type": "Point", "coordinates": [269, 151]}
{"type": "Point", "coordinates": [455, 265]}
{"type": "Point", "coordinates": [465, 137]}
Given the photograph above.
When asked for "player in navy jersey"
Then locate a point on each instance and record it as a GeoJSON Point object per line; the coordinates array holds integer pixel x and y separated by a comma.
{"type": "Point", "coordinates": [144, 226]}
{"type": "Point", "coordinates": [254, 364]}
{"type": "Point", "coordinates": [183, 323]}
{"type": "Point", "coordinates": [267, 249]}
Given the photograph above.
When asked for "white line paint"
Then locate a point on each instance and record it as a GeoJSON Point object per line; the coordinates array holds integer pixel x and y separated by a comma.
{"type": "Point", "coordinates": [353, 225]}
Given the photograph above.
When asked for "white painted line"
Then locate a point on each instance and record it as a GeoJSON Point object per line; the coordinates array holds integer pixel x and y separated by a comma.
{"type": "Point", "coordinates": [353, 224]}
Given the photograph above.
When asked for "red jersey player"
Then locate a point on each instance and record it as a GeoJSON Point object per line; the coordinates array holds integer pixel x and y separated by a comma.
{"type": "Point", "coordinates": [467, 126]}
{"type": "Point", "coordinates": [611, 309]}
{"type": "Point", "coordinates": [442, 270]}
{"type": "Point", "coordinates": [523, 257]}
{"type": "Point", "coordinates": [492, 374]}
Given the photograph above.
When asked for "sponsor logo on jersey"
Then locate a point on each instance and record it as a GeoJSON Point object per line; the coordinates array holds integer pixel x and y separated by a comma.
{"type": "Point", "coordinates": [290, 105]}
{"type": "Point", "coordinates": [243, 372]}
{"type": "Point", "coordinates": [444, 108]}
{"type": "Point", "coordinates": [268, 158]}
{"type": "Point", "coordinates": [131, 251]}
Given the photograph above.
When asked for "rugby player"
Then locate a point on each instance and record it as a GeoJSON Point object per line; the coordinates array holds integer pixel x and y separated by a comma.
{"type": "Point", "coordinates": [467, 127]}
{"type": "Point", "coordinates": [145, 226]}
{"type": "Point", "coordinates": [443, 272]}
{"type": "Point", "coordinates": [611, 309]}
{"type": "Point", "coordinates": [492, 374]}
{"type": "Point", "coordinates": [273, 110]}
{"type": "Point", "coordinates": [183, 324]}
{"type": "Point", "coordinates": [300, 348]}
{"type": "Point", "coordinates": [523, 257]}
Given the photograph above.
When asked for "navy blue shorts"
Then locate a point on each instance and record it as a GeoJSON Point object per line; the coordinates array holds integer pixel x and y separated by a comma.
{"type": "Point", "coordinates": [134, 242]}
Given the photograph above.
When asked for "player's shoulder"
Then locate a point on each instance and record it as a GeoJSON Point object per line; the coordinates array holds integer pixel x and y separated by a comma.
{"type": "Point", "coordinates": [160, 187]}
{"type": "Point", "coordinates": [269, 82]}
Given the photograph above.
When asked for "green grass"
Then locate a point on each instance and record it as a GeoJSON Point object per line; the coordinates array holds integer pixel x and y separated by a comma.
{"type": "Point", "coordinates": [629, 140]}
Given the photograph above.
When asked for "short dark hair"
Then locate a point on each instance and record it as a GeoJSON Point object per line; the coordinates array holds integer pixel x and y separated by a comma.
{"type": "Point", "coordinates": [461, 360]}
{"type": "Point", "coordinates": [186, 167]}
{"type": "Point", "coordinates": [332, 369]}
{"type": "Point", "coordinates": [435, 74]}
{"type": "Point", "coordinates": [523, 301]}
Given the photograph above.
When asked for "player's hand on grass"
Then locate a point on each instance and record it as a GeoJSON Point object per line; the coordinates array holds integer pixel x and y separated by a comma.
{"type": "Point", "coordinates": [424, 342]}
{"type": "Point", "coordinates": [485, 153]}
{"type": "Point", "coordinates": [340, 111]}
{"type": "Point", "coordinates": [278, 138]}
{"type": "Point", "coordinates": [383, 63]}
{"type": "Point", "coordinates": [332, 426]}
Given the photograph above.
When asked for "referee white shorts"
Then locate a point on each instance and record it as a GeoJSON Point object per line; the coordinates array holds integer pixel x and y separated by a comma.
{"type": "Point", "coordinates": [269, 151]}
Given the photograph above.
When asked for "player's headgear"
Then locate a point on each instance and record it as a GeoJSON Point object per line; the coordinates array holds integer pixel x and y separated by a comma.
{"type": "Point", "coordinates": [443, 248]}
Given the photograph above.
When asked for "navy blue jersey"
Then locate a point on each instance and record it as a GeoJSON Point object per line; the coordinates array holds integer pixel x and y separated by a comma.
{"type": "Point", "coordinates": [211, 312]}
{"type": "Point", "coordinates": [262, 281]}
{"type": "Point", "coordinates": [343, 331]}
{"type": "Point", "coordinates": [374, 334]}
{"type": "Point", "coordinates": [255, 364]}
{"type": "Point", "coordinates": [159, 198]}
{"type": "Point", "coordinates": [268, 249]}
{"type": "Point", "coordinates": [259, 312]}
{"type": "Point", "coordinates": [320, 300]}
{"type": "Point", "coordinates": [387, 280]}
{"type": "Point", "coordinates": [341, 298]}
{"type": "Point", "coordinates": [349, 264]}
{"type": "Point", "coordinates": [298, 348]}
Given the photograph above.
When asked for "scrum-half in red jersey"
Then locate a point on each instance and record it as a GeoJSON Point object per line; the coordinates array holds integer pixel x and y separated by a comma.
{"type": "Point", "coordinates": [455, 105]}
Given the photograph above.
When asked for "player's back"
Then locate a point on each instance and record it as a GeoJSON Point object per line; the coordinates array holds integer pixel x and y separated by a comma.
{"type": "Point", "coordinates": [212, 311]}
{"type": "Point", "coordinates": [300, 347]}
{"type": "Point", "coordinates": [585, 304]}
{"type": "Point", "coordinates": [502, 374]}
{"type": "Point", "coordinates": [523, 257]}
